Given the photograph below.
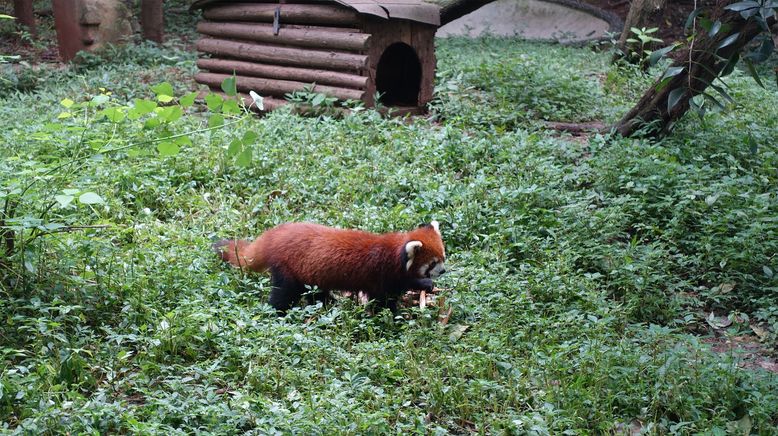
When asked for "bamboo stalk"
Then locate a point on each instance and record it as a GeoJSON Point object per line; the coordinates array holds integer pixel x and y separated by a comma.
{"type": "Point", "coordinates": [310, 37]}
{"type": "Point", "coordinates": [322, 77]}
{"type": "Point", "coordinates": [283, 55]}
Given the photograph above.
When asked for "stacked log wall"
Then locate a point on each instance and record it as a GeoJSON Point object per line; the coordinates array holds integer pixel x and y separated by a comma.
{"type": "Point", "coordinates": [314, 44]}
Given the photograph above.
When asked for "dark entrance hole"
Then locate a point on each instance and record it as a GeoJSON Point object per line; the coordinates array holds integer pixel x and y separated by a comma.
{"type": "Point", "coordinates": [398, 76]}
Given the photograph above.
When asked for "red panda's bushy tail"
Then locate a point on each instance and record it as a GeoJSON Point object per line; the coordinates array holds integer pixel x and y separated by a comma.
{"type": "Point", "coordinates": [239, 253]}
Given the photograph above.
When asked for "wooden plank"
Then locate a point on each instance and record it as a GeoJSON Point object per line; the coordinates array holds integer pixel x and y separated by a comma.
{"type": "Point", "coordinates": [423, 39]}
{"type": "Point", "coordinates": [275, 87]}
{"type": "Point", "coordinates": [290, 13]}
{"type": "Point", "coordinates": [326, 28]}
{"type": "Point", "coordinates": [321, 77]}
{"type": "Point", "coordinates": [310, 37]}
{"type": "Point", "coordinates": [282, 55]}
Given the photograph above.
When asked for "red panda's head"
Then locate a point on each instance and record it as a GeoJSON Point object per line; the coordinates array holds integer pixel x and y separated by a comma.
{"type": "Point", "coordinates": [424, 255]}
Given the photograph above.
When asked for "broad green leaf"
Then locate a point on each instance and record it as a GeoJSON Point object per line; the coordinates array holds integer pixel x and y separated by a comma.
{"type": "Point", "coordinates": [170, 114]}
{"type": "Point", "coordinates": [151, 123]}
{"type": "Point", "coordinates": [143, 106]}
{"type": "Point", "coordinates": [188, 99]}
{"type": "Point", "coordinates": [163, 88]}
{"type": "Point", "coordinates": [742, 6]}
{"type": "Point", "coordinates": [730, 67]}
{"type": "Point", "coordinates": [114, 114]}
{"type": "Point", "coordinates": [655, 55]}
{"type": "Point", "coordinates": [244, 158]}
{"type": "Point", "coordinates": [249, 137]}
{"type": "Point", "coordinates": [168, 148]}
{"type": "Point", "coordinates": [318, 100]}
{"type": "Point", "coordinates": [163, 98]}
{"type": "Point", "coordinates": [64, 115]}
{"type": "Point", "coordinates": [728, 40]}
{"type": "Point", "coordinates": [230, 107]}
{"type": "Point", "coordinates": [64, 200]}
{"type": "Point", "coordinates": [234, 148]}
{"type": "Point", "coordinates": [214, 102]}
{"type": "Point", "coordinates": [690, 20]}
{"type": "Point", "coordinates": [183, 141]}
{"type": "Point", "coordinates": [713, 100]}
{"type": "Point", "coordinates": [67, 103]}
{"type": "Point", "coordinates": [723, 93]}
{"type": "Point", "coordinates": [229, 86]}
{"type": "Point", "coordinates": [51, 226]}
{"type": "Point", "coordinates": [714, 29]}
{"type": "Point", "coordinates": [672, 72]}
{"type": "Point", "coordinates": [457, 330]}
{"type": "Point", "coordinates": [90, 198]}
{"type": "Point", "coordinates": [99, 99]}
{"type": "Point", "coordinates": [215, 120]}
{"type": "Point", "coordinates": [674, 97]}
{"type": "Point", "coordinates": [752, 71]}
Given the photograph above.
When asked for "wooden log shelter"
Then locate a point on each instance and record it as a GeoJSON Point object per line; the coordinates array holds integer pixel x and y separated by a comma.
{"type": "Point", "coordinates": [348, 49]}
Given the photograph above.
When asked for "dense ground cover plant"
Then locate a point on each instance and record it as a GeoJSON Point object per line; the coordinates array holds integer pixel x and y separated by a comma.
{"type": "Point", "coordinates": [579, 267]}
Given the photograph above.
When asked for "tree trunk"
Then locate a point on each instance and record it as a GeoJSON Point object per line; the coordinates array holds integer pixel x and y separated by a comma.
{"type": "Point", "coordinates": [24, 13]}
{"type": "Point", "coordinates": [641, 13]}
{"type": "Point", "coordinates": [450, 10]}
{"type": "Point", "coordinates": [702, 62]}
{"type": "Point", "coordinates": [151, 20]}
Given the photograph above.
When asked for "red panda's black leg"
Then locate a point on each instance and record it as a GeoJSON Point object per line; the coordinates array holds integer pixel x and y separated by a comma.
{"type": "Point", "coordinates": [386, 302]}
{"type": "Point", "coordinates": [319, 296]}
{"type": "Point", "coordinates": [285, 290]}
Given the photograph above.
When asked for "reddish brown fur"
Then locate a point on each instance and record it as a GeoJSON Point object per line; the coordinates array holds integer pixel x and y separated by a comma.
{"type": "Point", "coordinates": [335, 259]}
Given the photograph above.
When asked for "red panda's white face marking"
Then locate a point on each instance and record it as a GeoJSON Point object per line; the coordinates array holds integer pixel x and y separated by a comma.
{"type": "Point", "coordinates": [433, 269]}
{"type": "Point", "coordinates": [411, 248]}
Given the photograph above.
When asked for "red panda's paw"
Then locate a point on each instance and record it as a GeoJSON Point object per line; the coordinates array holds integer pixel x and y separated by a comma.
{"type": "Point", "coordinates": [220, 248]}
{"type": "Point", "coordinates": [423, 284]}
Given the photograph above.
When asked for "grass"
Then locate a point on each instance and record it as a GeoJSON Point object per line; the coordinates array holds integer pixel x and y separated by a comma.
{"type": "Point", "coordinates": [584, 271]}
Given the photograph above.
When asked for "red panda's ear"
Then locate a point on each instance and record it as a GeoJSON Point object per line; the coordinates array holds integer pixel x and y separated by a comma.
{"type": "Point", "coordinates": [411, 248]}
{"type": "Point", "coordinates": [436, 225]}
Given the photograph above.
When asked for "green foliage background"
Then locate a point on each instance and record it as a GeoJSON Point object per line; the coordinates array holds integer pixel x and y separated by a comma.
{"type": "Point", "coordinates": [584, 270]}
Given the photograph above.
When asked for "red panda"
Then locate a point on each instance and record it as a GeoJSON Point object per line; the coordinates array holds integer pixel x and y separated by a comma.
{"type": "Point", "coordinates": [382, 266]}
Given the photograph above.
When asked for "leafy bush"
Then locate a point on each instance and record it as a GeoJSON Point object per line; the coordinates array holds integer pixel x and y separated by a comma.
{"type": "Point", "coordinates": [516, 85]}
{"type": "Point", "coordinates": [577, 268]}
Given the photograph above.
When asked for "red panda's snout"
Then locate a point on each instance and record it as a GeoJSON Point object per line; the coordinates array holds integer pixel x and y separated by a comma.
{"type": "Point", "coordinates": [426, 254]}
{"type": "Point", "coordinates": [434, 269]}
